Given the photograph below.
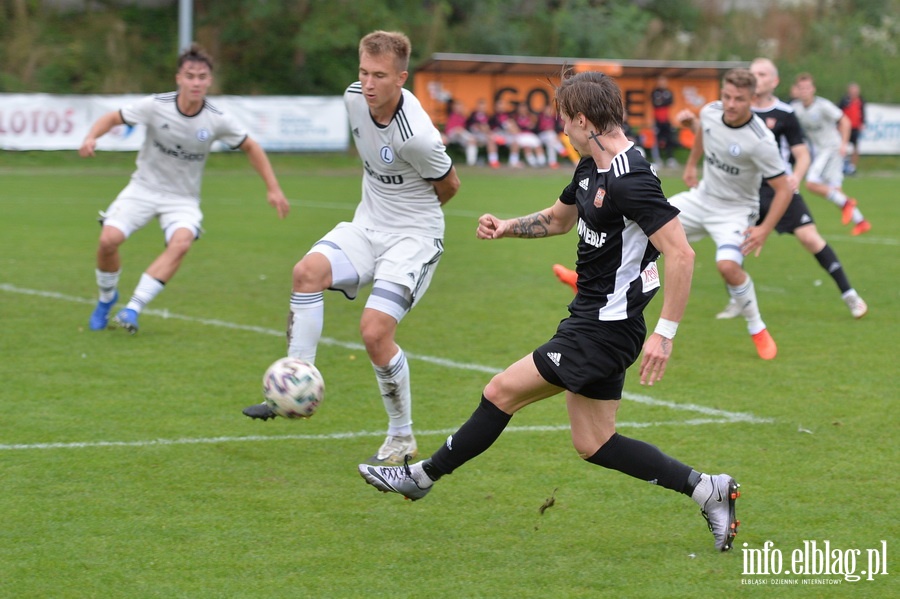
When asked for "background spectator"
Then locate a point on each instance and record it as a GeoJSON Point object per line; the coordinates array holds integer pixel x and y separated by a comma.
{"type": "Point", "coordinates": [854, 106]}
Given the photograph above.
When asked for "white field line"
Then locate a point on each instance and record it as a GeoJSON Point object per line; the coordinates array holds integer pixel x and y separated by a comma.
{"type": "Point", "coordinates": [714, 415]}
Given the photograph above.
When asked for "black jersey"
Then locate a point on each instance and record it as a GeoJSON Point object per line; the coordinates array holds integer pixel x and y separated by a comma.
{"type": "Point", "coordinates": [781, 120]}
{"type": "Point", "coordinates": [618, 209]}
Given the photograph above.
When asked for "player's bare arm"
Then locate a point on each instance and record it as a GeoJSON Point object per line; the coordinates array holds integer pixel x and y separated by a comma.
{"type": "Point", "coordinates": [845, 128]}
{"type": "Point", "coordinates": [671, 240]}
{"type": "Point", "coordinates": [100, 128]}
{"type": "Point", "coordinates": [689, 176]}
{"type": "Point", "coordinates": [555, 220]}
{"type": "Point", "coordinates": [260, 162]}
{"type": "Point", "coordinates": [447, 187]}
{"type": "Point", "coordinates": [755, 237]}
{"type": "Point", "coordinates": [800, 153]}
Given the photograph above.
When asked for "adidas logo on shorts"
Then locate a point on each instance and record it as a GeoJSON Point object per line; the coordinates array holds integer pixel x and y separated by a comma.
{"type": "Point", "coordinates": [554, 357]}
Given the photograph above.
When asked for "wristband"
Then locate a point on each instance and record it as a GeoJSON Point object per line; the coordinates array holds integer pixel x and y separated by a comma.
{"type": "Point", "coordinates": [666, 328]}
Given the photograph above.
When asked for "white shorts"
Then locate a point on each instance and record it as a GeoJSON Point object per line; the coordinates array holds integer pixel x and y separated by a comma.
{"type": "Point", "coordinates": [725, 222]}
{"type": "Point", "coordinates": [406, 260]}
{"type": "Point", "coordinates": [136, 205]}
{"type": "Point", "coordinates": [826, 168]}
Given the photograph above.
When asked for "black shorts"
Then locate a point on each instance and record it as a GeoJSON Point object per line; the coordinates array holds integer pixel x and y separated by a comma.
{"type": "Point", "coordinates": [796, 215]}
{"type": "Point", "coordinates": [590, 357]}
{"type": "Point", "coordinates": [854, 136]}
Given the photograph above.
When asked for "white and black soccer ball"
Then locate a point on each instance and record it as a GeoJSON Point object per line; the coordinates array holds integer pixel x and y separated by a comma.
{"type": "Point", "coordinates": [293, 388]}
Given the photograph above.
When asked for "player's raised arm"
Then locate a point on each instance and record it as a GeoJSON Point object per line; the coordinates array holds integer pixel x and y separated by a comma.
{"type": "Point", "coordinates": [554, 220]}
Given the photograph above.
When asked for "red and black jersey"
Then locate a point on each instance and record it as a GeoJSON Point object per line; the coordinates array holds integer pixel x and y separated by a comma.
{"type": "Point", "coordinates": [781, 120]}
{"type": "Point", "coordinates": [618, 209]}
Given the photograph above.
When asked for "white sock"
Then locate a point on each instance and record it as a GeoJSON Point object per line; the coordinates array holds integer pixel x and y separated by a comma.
{"type": "Point", "coordinates": [146, 290]}
{"type": "Point", "coordinates": [393, 382]}
{"type": "Point", "coordinates": [493, 157]}
{"type": "Point", "coordinates": [857, 216]}
{"type": "Point", "coordinates": [418, 474]}
{"type": "Point", "coordinates": [107, 283]}
{"type": "Point", "coordinates": [745, 295]}
{"type": "Point", "coordinates": [305, 325]}
{"type": "Point", "coordinates": [513, 158]}
{"type": "Point", "coordinates": [703, 489]}
{"type": "Point", "coordinates": [837, 197]}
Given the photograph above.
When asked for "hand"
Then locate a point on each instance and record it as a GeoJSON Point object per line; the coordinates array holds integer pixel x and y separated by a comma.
{"type": "Point", "coordinates": [277, 200]}
{"type": "Point", "coordinates": [685, 118]}
{"type": "Point", "coordinates": [87, 147]}
{"type": "Point", "coordinates": [793, 182]}
{"type": "Point", "coordinates": [690, 175]}
{"type": "Point", "coordinates": [490, 227]}
{"type": "Point", "coordinates": [657, 350]}
{"type": "Point", "coordinates": [754, 239]}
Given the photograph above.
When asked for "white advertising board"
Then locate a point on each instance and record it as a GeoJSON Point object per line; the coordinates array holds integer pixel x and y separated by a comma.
{"type": "Point", "coordinates": [278, 123]}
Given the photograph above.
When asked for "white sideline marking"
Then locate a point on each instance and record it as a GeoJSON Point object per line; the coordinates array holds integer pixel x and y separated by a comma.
{"type": "Point", "coordinates": [717, 416]}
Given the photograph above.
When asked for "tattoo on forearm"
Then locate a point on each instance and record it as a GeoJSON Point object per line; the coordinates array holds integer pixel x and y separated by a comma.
{"type": "Point", "coordinates": [533, 225]}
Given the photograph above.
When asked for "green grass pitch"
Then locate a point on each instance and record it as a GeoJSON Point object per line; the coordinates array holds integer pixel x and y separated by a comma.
{"type": "Point", "coordinates": [127, 469]}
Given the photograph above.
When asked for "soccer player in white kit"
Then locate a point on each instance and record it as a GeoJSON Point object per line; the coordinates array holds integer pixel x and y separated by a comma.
{"type": "Point", "coordinates": [828, 130]}
{"type": "Point", "coordinates": [181, 127]}
{"type": "Point", "coordinates": [395, 239]}
{"type": "Point", "coordinates": [740, 151]}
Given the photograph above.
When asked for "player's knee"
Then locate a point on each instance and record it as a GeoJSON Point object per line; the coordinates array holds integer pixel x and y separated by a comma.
{"type": "Point", "coordinates": [589, 443]}
{"type": "Point", "coordinates": [310, 276]}
{"type": "Point", "coordinates": [179, 246]}
{"type": "Point", "coordinates": [110, 240]}
{"type": "Point", "coordinates": [731, 271]}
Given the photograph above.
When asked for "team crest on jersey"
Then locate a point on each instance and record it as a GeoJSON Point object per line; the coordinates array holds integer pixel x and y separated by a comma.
{"type": "Point", "coordinates": [734, 150]}
{"type": "Point", "coordinates": [598, 199]}
{"type": "Point", "coordinates": [202, 134]}
{"type": "Point", "coordinates": [771, 122]}
{"type": "Point", "coordinates": [387, 154]}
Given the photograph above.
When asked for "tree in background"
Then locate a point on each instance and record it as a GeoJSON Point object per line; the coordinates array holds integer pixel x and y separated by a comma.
{"type": "Point", "coordinates": [309, 47]}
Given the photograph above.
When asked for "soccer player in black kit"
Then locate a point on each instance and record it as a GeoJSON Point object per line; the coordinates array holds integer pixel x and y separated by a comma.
{"type": "Point", "coordinates": [624, 222]}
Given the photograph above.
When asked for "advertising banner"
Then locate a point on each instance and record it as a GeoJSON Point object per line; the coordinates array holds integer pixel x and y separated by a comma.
{"type": "Point", "coordinates": [278, 123]}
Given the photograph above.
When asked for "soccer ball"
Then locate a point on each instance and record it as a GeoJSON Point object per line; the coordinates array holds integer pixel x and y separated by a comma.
{"type": "Point", "coordinates": [293, 388]}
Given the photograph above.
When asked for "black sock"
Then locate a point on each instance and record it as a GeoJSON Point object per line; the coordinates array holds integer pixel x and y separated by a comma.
{"type": "Point", "coordinates": [829, 261]}
{"type": "Point", "coordinates": [477, 434]}
{"type": "Point", "coordinates": [646, 462]}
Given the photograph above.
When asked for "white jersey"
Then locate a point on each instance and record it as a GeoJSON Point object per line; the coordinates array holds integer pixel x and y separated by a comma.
{"type": "Point", "coordinates": [819, 121]}
{"type": "Point", "coordinates": [399, 162]}
{"type": "Point", "coordinates": [176, 145]}
{"type": "Point", "coordinates": [737, 159]}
